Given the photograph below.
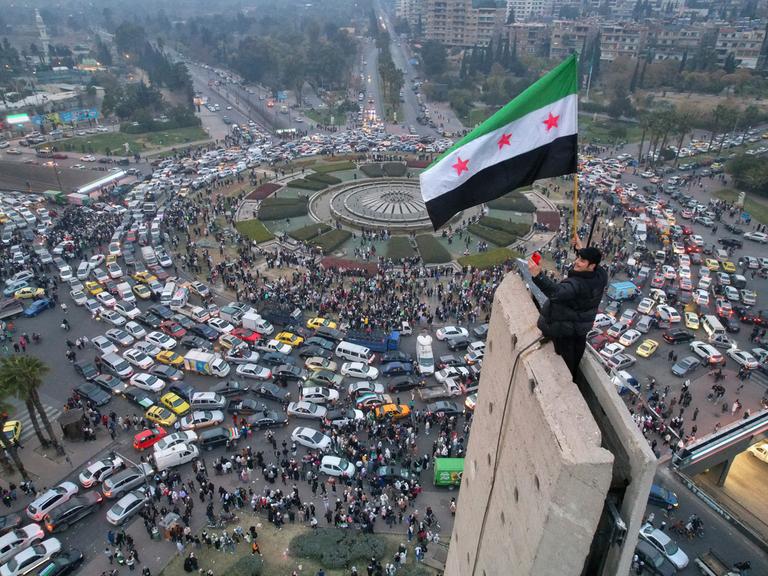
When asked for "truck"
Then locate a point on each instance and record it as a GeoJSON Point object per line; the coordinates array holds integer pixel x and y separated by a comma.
{"type": "Point", "coordinates": [425, 358]}
{"type": "Point", "coordinates": [254, 321]}
{"type": "Point", "coordinates": [377, 340]}
{"type": "Point", "coordinates": [448, 471]}
{"type": "Point", "coordinates": [208, 363]}
{"type": "Point", "coordinates": [622, 291]}
{"type": "Point", "coordinates": [10, 307]}
{"type": "Point", "coordinates": [148, 255]}
{"type": "Point", "coordinates": [448, 389]}
{"type": "Point", "coordinates": [285, 315]}
{"type": "Point", "coordinates": [710, 564]}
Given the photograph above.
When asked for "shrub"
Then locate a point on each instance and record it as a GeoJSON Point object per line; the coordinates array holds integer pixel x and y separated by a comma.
{"type": "Point", "coordinates": [264, 191]}
{"type": "Point", "coordinates": [399, 247]}
{"type": "Point", "coordinates": [335, 548]}
{"type": "Point", "coordinates": [305, 184]}
{"type": "Point", "coordinates": [432, 252]}
{"type": "Point", "coordinates": [334, 166]}
{"type": "Point", "coordinates": [372, 170]}
{"type": "Point", "coordinates": [278, 208]}
{"type": "Point", "coordinates": [254, 230]}
{"type": "Point", "coordinates": [514, 201]}
{"type": "Point", "coordinates": [484, 260]}
{"type": "Point", "coordinates": [324, 178]}
{"type": "Point", "coordinates": [249, 565]}
{"type": "Point", "coordinates": [394, 169]}
{"type": "Point", "coordinates": [515, 228]}
{"type": "Point", "coordinates": [498, 237]}
{"type": "Point", "coordinates": [308, 232]}
{"type": "Point", "coordinates": [329, 241]}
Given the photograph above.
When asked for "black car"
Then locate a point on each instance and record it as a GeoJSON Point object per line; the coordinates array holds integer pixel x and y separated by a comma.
{"type": "Point", "coordinates": [204, 331]}
{"type": "Point", "coordinates": [395, 356]}
{"type": "Point", "coordinates": [109, 383]}
{"type": "Point", "coordinates": [271, 391]}
{"type": "Point", "coordinates": [731, 242]}
{"type": "Point", "coordinates": [678, 336]}
{"type": "Point", "coordinates": [185, 321]}
{"type": "Point", "coordinates": [245, 407]}
{"type": "Point", "coordinates": [184, 390]}
{"type": "Point", "coordinates": [732, 324]}
{"type": "Point", "coordinates": [393, 473]}
{"type": "Point", "coordinates": [654, 561]}
{"type": "Point", "coordinates": [86, 369]}
{"type": "Point", "coordinates": [330, 333]}
{"type": "Point", "coordinates": [230, 388]}
{"type": "Point", "coordinates": [65, 563]}
{"type": "Point", "coordinates": [72, 511]}
{"type": "Point", "coordinates": [401, 384]}
{"type": "Point", "coordinates": [167, 372]}
{"type": "Point", "coordinates": [299, 331]}
{"type": "Point", "coordinates": [458, 343]}
{"type": "Point", "coordinates": [734, 230]}
{"type": "Point", "coordinates": [95, 394]}
{"type": "Point", "coordinates": [449, 360]}
{"type": "Point", "coordinates": [275, 359]}
{"type": "Point", "coordinates": [444, 407]}
{"type": "Point", "coordinates": [323, 343]}
{"type": "Point", "coordinates": [139, 397]}
{"type": "Point", "coordinates": [342, 416]}
{"type": "Point", "coordinates": [481, 331]}
{"type": "Point", "coordinates": [210, 438]}
{"type": "Point", "coordinates": [191, 341]}
{"type": "Point", "coordinates": [149, 320]}
{"type": "Point", "coordinates": [9, 522]}
{"type": "Point", "coordinates": [288, 373]}
{"type": "Point", "coordinates": [266, 419]}
{"type": "Point", "coordinates": [314, 350]}
{"type": "Point", "coordinates": [162, 311]}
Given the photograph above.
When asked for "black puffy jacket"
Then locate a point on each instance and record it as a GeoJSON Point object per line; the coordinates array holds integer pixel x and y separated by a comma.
{"type": "Point", "coordinates": [571, 304]}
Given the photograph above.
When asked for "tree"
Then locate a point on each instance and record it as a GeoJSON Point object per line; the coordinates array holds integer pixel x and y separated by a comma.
{"type": "Point", "coordinates": [730, 63]}
{"type": "Point", "coordinates": [620, 104]}
{"type": "Point", "coordinates": [683, 121]}
{"type": "Point", "coordinates": [7, 447]}
{"type": "Point", "coordinates": [22, 376]}
{"type": "Point", "coordinates": [434, 58]}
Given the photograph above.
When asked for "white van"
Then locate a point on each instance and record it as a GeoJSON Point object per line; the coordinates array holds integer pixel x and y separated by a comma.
{"type": "Point", "coordinates": [117, 365]}
{"type": "Point", "coordinates": [180, 298]}
{"type": "Point", "coordinates": [167, 294]}
{"type": "Point", "coordinates": [354, 352]}
{"type": "Point", "coordinates": [175, 456]}
{"type": "Point", "coordinates": [712, 326]}
{"type": "Point", "coordinates": [207, 401]}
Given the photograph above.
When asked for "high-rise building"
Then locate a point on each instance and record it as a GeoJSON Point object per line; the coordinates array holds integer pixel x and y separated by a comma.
{"type": "Point", "coordinates": [529, 38]}
{"type": "Point", "coordinates": [463, 23]}
{"type": "Point", "coordinates": [526, 9]}
{"type": "Point", "coordinates": [622, 39]}
{"type": "Point", "coordinates": [410, 11]}
{"type": "Point", "coordinates": [44, 40]}
{"type": "Point", "coordinates": [745, 44]}
{"type": "Point", "coordinates": [570, 36]}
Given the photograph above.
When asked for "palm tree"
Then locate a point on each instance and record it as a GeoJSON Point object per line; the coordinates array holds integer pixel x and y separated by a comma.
{"type": "Point", "coordinates": [7, 447]}
{"type": "Point", "coordinates": [645, 124]}
{"type": "Point", "coordinates": [22, 376]}
{"type": "Point", "coordinates": [683, 120]}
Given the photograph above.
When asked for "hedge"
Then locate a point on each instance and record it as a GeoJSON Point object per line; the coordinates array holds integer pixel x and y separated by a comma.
{"type": "Point", "coordinates": [394, 169]}
{"type": "Point", "coordinates": [515, 228]}
{"type": "Point", "coordinates": [264, 191]}
{"type": "Point", "coordinates": [249, 565]}
{"type": "Point", "coordinates": [323, 178]}
{"type": "Point", "coordinates": [514, 201]}
{"type": "Point", "coordinates": [254, 230]}
{"type": "Point", "coordinates": [432, 252]}
{"type": "Point", "coordinates": [498, 237]}
{"type": "Point", "coordinates": [399, 247]}
{"type": "Point", "coordinates": [308, 232]}
{"type": "Point", "coordinates": [334, 166]}
{"type": "Point", "coordinates": [372, 170]}
{"type": "Point", "coordinates": [278, 208]}
{"type": "Point", "coordinates": [305, 184]}
{"type": "Point", "coordinates": [336, 548]}
{"type": "Point", "coordinates": [484, 260]}
{"type": "Point", "coordinates": [329, 241]}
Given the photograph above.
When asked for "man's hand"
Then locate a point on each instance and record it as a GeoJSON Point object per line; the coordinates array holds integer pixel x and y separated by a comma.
{"type": "Point", "coordinates": [533, 268]}
{"type": "Point", "coordinates": [577, 242]}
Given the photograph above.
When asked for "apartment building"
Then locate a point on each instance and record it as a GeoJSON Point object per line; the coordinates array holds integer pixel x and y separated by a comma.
{"type": "Point", "coordinates": [410, 11]}
{"type": "Point", "coordinates": [673, 42]}
{"type": "Point", "coordinates": [568, 36]}
{"type": "Point", "coordinates": [622, 39]}
{"type": "Point", "coordinates": [524, 10]}
{"type": "Point", "coordinates": [463, 23]}
{"type": "Point", "coordinates": [530, 38]}
{"type": "Point", "coordinates": [746, 45]}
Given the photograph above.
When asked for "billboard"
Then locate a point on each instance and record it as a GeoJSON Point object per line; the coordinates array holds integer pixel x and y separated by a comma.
{"type": "Point", "coordinates": [56, 118]}
{"type": "Point", "coordinates": [17, 118]}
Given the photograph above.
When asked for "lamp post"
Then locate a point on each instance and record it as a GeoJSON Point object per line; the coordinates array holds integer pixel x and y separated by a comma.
{"type": "Point", "coordinates": [138, 467]}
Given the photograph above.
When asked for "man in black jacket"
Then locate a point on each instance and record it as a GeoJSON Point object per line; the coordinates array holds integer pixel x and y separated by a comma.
{"type": "Point", "coordinates": [571, 306]}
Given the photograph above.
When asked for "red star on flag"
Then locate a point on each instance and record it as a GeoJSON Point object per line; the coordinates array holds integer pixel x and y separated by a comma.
{"type": "Point", "coordinates": [551, 122]}
{"type": "Point", "coordinates": [461, 166]}
{"type": "Point", "coordinates": [504, 141]}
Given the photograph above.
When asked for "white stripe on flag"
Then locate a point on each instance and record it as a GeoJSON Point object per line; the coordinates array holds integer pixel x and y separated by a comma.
{"type": "Point", "coordinates": [527, 133]}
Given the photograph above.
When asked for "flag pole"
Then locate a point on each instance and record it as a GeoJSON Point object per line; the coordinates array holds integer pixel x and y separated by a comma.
{"type": "Point", "coordinates": [575, 201]}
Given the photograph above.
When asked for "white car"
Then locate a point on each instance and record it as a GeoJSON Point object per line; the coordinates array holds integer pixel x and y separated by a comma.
{"type": "Point", "coordinates": [106, 299]}
{"type": "Point", "coordinates": [114, 270]}
{"type": "Point", "coordinates": [17, 540]}
{"type": "Point", "coordinates": [176, 438]}
{"type": "Point", "coordinates": [460, 372]}
{"type": "Point", "coordinates": [220, 325]}
{"type": "Point", "coordinates": [277, 346]}
{"type": "Point", "coordinates": [645, 306]}
{"type": "Point", "coordinates": [202, 419]}
{"type": "Point", "coordinates": [162, 340]}
{"type": "Point", "coordinates": [665, 545]}
{"type": "Point", "coordinates": [359, 370]}
{"type": "Point", "coordinates": [760, 451]}
{"type": "Point", "coordinates": [127, 309]}
{"type": "Point", "coordinates": [95, 260]}
{"type": "Point", "coordinates": [148, 382]}
{"type": "Point", "coordinates": [48, 500]}
{"type": "Point", "coordinates": [743, 358]}
{"type": "Point", "coordinates": [126, 507]}
{"type": "Point", "coordinates": [254, 371]}
{"type": "Point", "coordinates": [112, 317]}
{"type": "Point", "coordinates": [83, 270]}
{"type": "Point", "coordinates": [27, 560]}
{"type": "Point", "coordinates": [103, 345]}
{"type": "Point", "coordinates": [242, 356]}
{"type": "Point", "coordinates": [629, 337]}
{"type": "Point", "coordinates": [611, 349]}
{"type": "Point", "coordinates": [603, 321]}
{"type": "Point", "coordinates": [760, 237]}
{"type": "Point", "coordinates": [135, 329]}
{"type": "Point", "coordinates": [319, 394]}
{"type": "Point", "coordinates": [335, 466]}
{"type": "Point", "coordinates": [311, 438]}
{"type": "Point", "coordinates": [451, 332]}
{"type": "Point", "coordinates": [306, 410]}
{"type": "Point", "coordinates": [365, 387]}
{"type": "Point", "coordinates": [701, 296]}
{"type": "Point", "coordinates": [668, 314]}
{"type": "Point", "coordinates": [79, 297]}
{"type": "Point", "coordinates": [119, 337]}
{"type": "Point", "coordinates": [99, 471]}
{"type": "Point", "coordinates": [151, 350]}
{"type": "Point", "coordinates": [707, 352]}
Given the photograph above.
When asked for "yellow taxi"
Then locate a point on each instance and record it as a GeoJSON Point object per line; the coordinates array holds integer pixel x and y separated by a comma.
{"type": "Point", "coordinates": [647, 348]}
{"type": "Point", "coordinates": [3, 218]}
{"type": "Point", "coordinates": [170, 358]}
{"type": "Point", "coordinates": [316, 363]}
{"type": "Point", "coordinates": [692, 320]}
{"type": "Point", "coordinates": [394, 411]}
{"type": "Point", "coordinates": [93, 288]}
{"type": "Point", "coordinates": [12, 431]}
{"type": "Point", "coordinates": [160, 415]}
{"type": "Point", "coordinates": [175, 403]}
{"type": "Point", "coordinates": [110, 258]}
{"type": "Point", "coordinates": [230, 342]}
{"type": "Point", "coordinates": [144, 277]}
{"type": "Point", "coordinates": [290, 338]}
{"type": "Point", "coordinates": [142, 292]}
{"type": "Point", "coordinates": [29, 292]}
{"type": "Point", "coordinates": [729, 266]}
{"type": "Point", "coordinates": [712, 264]}
{"type": "Point", "coordinates": [315, 323]}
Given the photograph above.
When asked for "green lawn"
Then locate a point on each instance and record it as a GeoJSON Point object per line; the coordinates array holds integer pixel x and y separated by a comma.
{"type": "Point", "coordinates": [757, 208]}
{"type": "Point", "coordinates": [324, 117]}
{"type": "Point", "coordinates": [487, 259]}
{"type": "Point", "coordinates": [254, 230]}
{"type": "Point", "coordinates": [115, 141]}
{"type": "Point", "coordinates": [399, 247]}
{"type": "Point", "coordinates": [431, 250]}
{"type": "Point", "coordinates": [606, 131]}
{"type": "Point", "coordinates": [480, 114]}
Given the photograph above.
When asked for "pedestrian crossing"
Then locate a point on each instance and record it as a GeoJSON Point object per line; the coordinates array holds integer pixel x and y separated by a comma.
{"type": "Point", "coordinates": [19, 412]}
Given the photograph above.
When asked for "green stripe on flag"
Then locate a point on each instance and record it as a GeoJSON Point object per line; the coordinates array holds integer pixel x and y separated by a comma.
{"type": "Point", "coordinates": [553, 86]}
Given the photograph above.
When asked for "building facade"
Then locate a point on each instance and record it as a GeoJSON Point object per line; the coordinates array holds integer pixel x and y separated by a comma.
{"type": "Point", "coordinates": [570, 36]}
{"type": "Point", "coordinates": [529, 38]}
{"type": "Point", "coordinates": [745, 44]}
{"type": "Point", "coordinates": [623, 39]}
{"type": "Point", "coordinates": [410, 11]}
{"type": "Point", "coordinates": [462, 23]}
{"type": "Point", "coordinates": [530, 9]}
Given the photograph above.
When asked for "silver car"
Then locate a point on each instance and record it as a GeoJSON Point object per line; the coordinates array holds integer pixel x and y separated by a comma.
{"type": "Point", "coordinates": [126, 507]}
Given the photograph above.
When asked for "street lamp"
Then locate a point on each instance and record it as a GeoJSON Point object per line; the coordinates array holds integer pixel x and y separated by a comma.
{"type": "Point", "coordinates": [138, 467]}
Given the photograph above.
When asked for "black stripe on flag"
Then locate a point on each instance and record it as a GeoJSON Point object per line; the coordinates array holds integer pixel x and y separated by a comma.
{"type": "Point", "coordinates": [555, 159]}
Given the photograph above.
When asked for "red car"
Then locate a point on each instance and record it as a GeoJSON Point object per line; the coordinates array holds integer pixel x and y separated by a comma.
{"type": "Point", "coordinates": [173, 329]}
{"type": "Point", "coordinates": [246, 335]}
{"type": "Point", "coordinates": [657, 281]}
{"type": "Point", "coordinates": [147, 438]}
